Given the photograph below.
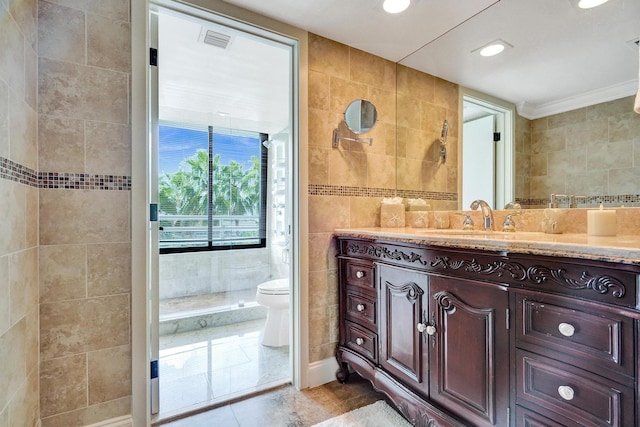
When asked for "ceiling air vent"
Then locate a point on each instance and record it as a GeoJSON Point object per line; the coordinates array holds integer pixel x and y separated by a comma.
{"type": "Point", "coordinates": [214, 38]}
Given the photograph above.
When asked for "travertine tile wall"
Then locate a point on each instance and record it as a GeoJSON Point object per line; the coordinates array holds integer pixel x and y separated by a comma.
{"type": "Point", "coordinates": [523, 159]}
{"type": "Point", "coordinates": [84, 260]}
{"type": "Point", "coordinates": [591, 151]}
{"type": "Point", "coordinates": [19, 370]}
{"type": "Point", "coordinates": [347, 183]}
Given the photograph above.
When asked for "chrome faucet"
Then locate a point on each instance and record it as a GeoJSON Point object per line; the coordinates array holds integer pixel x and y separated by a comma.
{"type": "Point", "coordinates": [487, 213]}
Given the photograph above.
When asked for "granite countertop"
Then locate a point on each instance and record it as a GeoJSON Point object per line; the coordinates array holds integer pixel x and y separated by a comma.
{"type": "Point", "coordinates": [621, 248]}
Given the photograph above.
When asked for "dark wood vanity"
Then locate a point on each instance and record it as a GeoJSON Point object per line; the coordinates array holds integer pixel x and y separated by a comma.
{"type": "Point", "coordinates": [476, 337]}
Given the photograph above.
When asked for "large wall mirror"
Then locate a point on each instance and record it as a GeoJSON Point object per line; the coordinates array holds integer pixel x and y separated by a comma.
{"type": "Point", "coordinates": [540, 74]}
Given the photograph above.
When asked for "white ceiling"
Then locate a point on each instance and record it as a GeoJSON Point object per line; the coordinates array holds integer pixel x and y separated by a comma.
{"type": "Point", "coordinates": [562, 57]}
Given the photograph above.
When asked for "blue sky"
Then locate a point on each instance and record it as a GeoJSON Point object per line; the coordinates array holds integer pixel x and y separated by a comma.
{"type": "Point", "coordinates": [177, 144]}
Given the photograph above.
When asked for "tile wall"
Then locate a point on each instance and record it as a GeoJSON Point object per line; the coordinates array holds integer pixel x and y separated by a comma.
{"type": "Point", "coordinates": [347, 183]}
{"type": "Point", "coordinates": [19, 370]}
{"type": "Point", "coordinates": [84, 176]}
{"type": "Point", "coordinates": [591, 151]}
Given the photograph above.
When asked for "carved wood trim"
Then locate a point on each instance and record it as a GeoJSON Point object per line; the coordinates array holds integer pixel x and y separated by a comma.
{"type": "Point", "coordinates": [412, 291]}
{"type": "Point", "coordinates": [536, 274]}
{"type": "Point", "coordinates": [383, 252]}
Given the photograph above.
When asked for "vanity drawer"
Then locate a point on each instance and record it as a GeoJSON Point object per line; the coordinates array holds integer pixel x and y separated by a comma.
{"type": "Point", "coordinates": [360, 308]}
{"type": "Point", "coordinates": [526, 418]}
{"type": "Point", "coordinates": [362, 340]}
{"type": "Point", "coordinates": [577, 395]}
{"type": "Point", "coordinates": [595, 338]}
{"type": "Point", "coordinates": [360, 274]}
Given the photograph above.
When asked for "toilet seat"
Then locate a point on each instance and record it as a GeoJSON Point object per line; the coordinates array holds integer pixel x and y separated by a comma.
{"type": "Point", "coordinates": [274, 287]}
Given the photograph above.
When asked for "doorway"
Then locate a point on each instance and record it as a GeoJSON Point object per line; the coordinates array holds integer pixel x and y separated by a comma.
{"type": "Point", "coordinates": [488, 150]}
{"type": "Point", "coordinates": [221, 184]}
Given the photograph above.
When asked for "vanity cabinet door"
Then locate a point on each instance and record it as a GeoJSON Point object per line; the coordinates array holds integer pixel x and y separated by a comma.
{"type": "Point", "coordinates": [403, 306]}
{"type": "Point", "coordinates": [469, 350]}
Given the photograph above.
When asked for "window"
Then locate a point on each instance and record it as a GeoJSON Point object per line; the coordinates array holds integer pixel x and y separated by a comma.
{"type": "Point", "coordinates": [212, 188]}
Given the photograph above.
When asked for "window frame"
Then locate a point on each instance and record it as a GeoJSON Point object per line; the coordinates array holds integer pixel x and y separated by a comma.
{"type": "Point", "coordinates": [262, 216]}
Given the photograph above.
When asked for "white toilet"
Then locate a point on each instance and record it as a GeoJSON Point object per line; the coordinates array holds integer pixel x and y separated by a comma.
{"type": "Point", "coordinates": [274, 294]}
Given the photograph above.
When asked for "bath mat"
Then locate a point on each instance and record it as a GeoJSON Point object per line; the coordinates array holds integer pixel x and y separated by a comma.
{"type": "Point", "coordinates": [375, 415]}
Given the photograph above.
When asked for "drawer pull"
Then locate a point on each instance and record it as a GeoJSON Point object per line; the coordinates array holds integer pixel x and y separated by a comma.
{"type": "Point", "coordinates": [359, 274]}
{"type": "Point", "coordinates": [566, 392]}
{"type": "Point", "coordinates": [566, 329]}
{"type": "Point", "coordinates": [360, 307]}
{"type": "Point", "coordinates": [359, 341]}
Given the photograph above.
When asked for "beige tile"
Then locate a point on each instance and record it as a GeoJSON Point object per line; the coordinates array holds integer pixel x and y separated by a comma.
{"type": "Point", "coordinates": [539, 164]}
{"type": "Point", "coordinates": [560, 162]}
{"type": "Point", "coordinates": [541, 187]}
{"type": "Point", "coordinates": [4, 418]}
{"type": "Point", "coordinates": [364, 211]}
{"type": "Point", "coordinates": [381, 171]}
{"type": "Point", "coordinates": [344, 92]}
{"type": "Point", "coordinates": [570, 117]}
{"type": "Point", "coordinates": [90, 415]}
{"type": "Point", "coordinates": [61, 33]}
{"type": "Point", "coordinates": [319, 333]}
{"type": "Point", "coordinates": [82, 92]}
{"type": "Point", "coordinates": [608, 156]}
{"type": "Point", "coordinates": [319, 292]}
{"type": "Point", "coordinates": [385, 102]}
{"type": "Point", "coordinates": [12, 353]}
{"type": "Point", "coordinates": [72, 327]}
{"type": "Point", "coordinates": [624, 127]}
{"type": "Point", "coordinates": [76, 4]}
{"type": "Point", "coordinates": [347, 168]}
{"type": "Point", "coordinates": [334, 322]}
{"type": "Point", "coordinates": [446, 94]}
{"type": "Point", "coordinates": [624, 181]}
{"type": "Point", "coordinates": [416, 84]}
{"type": "Point", "coordinates": [23, 282]}
{"type": "Point", "coordinates": [31, 78]}
{"type": "Point", "coordinates": [586, 183]}
{"type": "Point", "coordinates": [83, 216]}
{"type": "Point", "coordinates": [5, 302]}
{"type": "Point", "coordinates": [329, 57]}
{"type": "Point", "coordinates": [23, 131]}
{"type": "Point", "coordinates": [64, 384]}
{"type": "Point", "coordinates": [108, 148]}
{"type": "Point", "coordinates": [23, 410]}
{"type": "Point", "coordinates": [326, 213]}
{"type": "Point", "coordinates": [318, 165]}
{"type": "Point", "coordinates": [109, 374]}
{"type": "Point", "coordinates": [321, 126]}
{"type": "Point", "coordinates": [32, 339]}
{"type": "Point", "coordinates": [548, 140]}
{"type": "Point", "coordinates": [371, 70]}
{"type": "Point", "coordinates": [4, 120]}
{"type": "Point", "coordinates": [108, 269]}
{"type": "Point", "coordinates": [319, 90]}
{"type": "Point", "coordinates": [60, 144]}
{"type": "Point", "coordinates": [108, 43]}
{"type": "Point", "coordinates": [31, 216]}
{"type": "Point", "coordinates": [409, 112]}
{"type": "Point", "coordinates": [434, 177]}
{"type": "Point", "coordinates": [593, 132]}
{"type": "Point", "coordinates": [539, 125]}
{"type": "Point", "coordinates": [12, 215]}
{"type": "Point", "coordinates": [319, 253]}
{"type": "Point", "coordinates": [12, 55]}
{"type": "Point", "coordinates": [611, 108]}
{"type": "Point", "coordinates": [63, 272]}
{"type": "Point", "coordinates": [115, 9]}
{"type": "Point", "coordinates": [409, 175]}
{"type": "Point", "coordinates": [25, 12]}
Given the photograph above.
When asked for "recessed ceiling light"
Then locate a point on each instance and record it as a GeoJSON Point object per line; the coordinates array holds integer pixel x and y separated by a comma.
{"type": "Point", "coordinates": [493, 48]}
{"type": "Point", "coordinates": [588, 4]}
{"type": "Point", "coordinates": [395, 6]}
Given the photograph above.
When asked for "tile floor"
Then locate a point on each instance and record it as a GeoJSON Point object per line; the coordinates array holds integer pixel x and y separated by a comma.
{"type": "Point", "coordinates": [287, 407]}
{"type": "Point", "coordinates": [204, 367]}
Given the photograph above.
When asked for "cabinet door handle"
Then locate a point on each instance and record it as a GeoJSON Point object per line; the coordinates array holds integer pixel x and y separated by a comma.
{"type": "Point", "coordinates": [359, 341]}
{"type": "Point", "coordinates": [566, 392]}
{"type": "Point", "coordinates": [429, 329]}
{"type": "Point", "coordinates": [566, 329]}
{"type": "Point", "coordinates": [360, 307]}
{"type": "Point", "coordinates": [359, 274]}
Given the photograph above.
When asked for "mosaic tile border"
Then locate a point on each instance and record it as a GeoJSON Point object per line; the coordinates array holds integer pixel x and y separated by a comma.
{"type": "Point", "coordinates": [16, 172]}
{"type": "Point", "coordinates": [342, 190]}
{"type": "Point", "coordinates": [588, 201]}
